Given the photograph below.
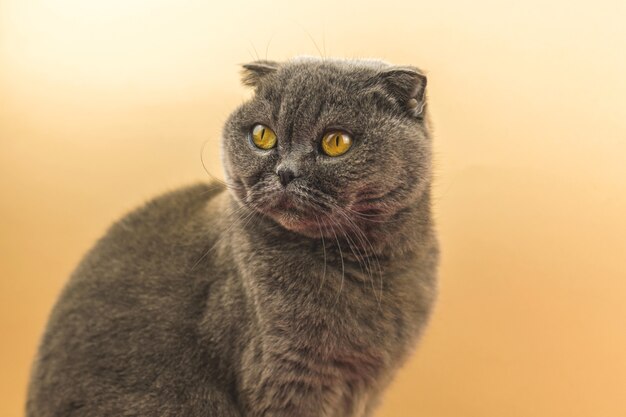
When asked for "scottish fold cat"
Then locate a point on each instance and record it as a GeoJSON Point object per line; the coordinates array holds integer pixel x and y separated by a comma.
{"type": "Point", "coordinates": [296, 288]}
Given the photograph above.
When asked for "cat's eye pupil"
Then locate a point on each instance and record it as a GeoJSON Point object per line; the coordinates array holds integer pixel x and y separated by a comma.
{"type": "Point", "coordinates": [336, 143]}
{"type": "Point", "coordinates": [263, 137]}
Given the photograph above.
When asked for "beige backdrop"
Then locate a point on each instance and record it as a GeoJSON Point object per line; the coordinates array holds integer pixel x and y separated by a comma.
{"type": "Point", "coordinates": [104, 104]}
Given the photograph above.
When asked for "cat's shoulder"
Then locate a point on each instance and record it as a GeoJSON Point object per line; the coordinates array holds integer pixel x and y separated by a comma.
{"type": "Point", "coordinates": [164, 216]}
{"type": "Point", "coordinates": [149, 241]}
{"type": "Point", "coordinates": [173, 206]}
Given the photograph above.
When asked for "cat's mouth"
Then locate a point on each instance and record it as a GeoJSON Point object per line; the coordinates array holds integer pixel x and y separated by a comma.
{"type": "Point", "coordinates": [298, 209]}
{"type": "Point", "coordinates": [293, 212]}
{"type": "Point", "coordinates": [285, 202]}
{"type": "Point", "coordinates": [289, 211]}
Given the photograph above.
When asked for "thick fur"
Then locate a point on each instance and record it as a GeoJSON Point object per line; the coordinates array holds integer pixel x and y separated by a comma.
{"type": "Point", "coordinates": [257, 299]}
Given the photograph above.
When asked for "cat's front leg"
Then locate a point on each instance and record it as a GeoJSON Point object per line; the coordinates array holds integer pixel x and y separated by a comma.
{"type": "Point", "coordinates": [295, 398]}
{"type": "Point", "coordinates": [274, 385]}
{"type": "Point", "coordinates": [211, 401]}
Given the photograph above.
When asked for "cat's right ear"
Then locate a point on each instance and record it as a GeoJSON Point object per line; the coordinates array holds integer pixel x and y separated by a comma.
{"type": "Point", "coordinates": [408, 86]}
{"type": "Point", "coordinates": [252, 74]}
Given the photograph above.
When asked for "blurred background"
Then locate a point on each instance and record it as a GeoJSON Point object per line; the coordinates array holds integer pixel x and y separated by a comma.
{"type": "Point", "coordinates": [104, 104]}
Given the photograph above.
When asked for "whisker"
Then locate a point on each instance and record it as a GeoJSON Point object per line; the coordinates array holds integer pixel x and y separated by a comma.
{"type": "Point", "coordinates": [365, 242]}
{"type": "Point", "coordinates": [363, 257]}
{"type": "Point", "coordinates": [213, 177]}
{"type": "Point", "coordinates": [258, 58]}
{"type": "Point", "coordinates": [267, 46]}
{"type": "Point", "coordinates": [315, 44]}
{"type": "Point", "coordinates": [324, 203]}
{"type": "Point", "coordinates": [324, 248]}
{"type": "Point", "coordinates": [309, 192]}
{"type": "Point", "coordinates": [239, 214]}
{"type": "Point", "coordinates": [343, 268]}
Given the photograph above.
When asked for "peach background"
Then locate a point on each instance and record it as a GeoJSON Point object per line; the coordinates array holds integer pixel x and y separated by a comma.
{"type": "Point", "coordinates": [104, 104]}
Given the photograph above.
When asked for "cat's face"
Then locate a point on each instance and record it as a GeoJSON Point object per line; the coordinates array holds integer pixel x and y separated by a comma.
{"type": "Point", "coordinates": [376, 159]}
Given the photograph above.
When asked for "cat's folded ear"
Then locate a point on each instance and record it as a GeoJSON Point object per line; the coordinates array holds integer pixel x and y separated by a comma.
{"type": "Point", "coordinates": [408, 86]}
{"type": "Point", "coordinates": [252, 74]}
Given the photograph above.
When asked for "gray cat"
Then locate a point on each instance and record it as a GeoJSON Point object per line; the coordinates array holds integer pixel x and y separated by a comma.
{"type": "Point", "coordinates": [297, 288]}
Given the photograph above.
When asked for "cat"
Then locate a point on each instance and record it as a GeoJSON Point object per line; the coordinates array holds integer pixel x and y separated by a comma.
{"type": "Point", "coordinates": [297, 287]}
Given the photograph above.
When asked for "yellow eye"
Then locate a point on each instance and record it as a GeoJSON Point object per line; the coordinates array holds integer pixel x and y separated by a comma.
{"type": "Point", "coordinates": [336, 143]}
{"type": "Point", "coordinates": [263, 137]}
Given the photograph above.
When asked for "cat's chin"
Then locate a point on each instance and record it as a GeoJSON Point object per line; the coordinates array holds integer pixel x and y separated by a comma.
{"type": "Point", "coordinates": [297, 223]}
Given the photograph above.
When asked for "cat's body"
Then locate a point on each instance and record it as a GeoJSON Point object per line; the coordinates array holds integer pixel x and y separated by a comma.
{"type": "Point", "coordinates": [202, 304]}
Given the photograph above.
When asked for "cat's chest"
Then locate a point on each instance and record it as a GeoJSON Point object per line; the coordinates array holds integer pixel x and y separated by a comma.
{"type": "Point", "coordinates": [309, 383]}
{"type": "Point", "coordinates": [337, 303]}
{"type": "Point", "coordinates": [329, 315]}
{"type": "Point", "coordinates": [328, 330]}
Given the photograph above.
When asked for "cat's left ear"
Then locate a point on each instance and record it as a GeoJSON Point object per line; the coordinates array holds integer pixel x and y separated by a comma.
{"type": "Point", "coordinates": [252, 74]}
{"type": "Point", "coordinates": [408, 86]}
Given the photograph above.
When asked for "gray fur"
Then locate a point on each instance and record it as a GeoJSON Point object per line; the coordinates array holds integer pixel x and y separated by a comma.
{"type": "Point", "coordinates": [256, 299]}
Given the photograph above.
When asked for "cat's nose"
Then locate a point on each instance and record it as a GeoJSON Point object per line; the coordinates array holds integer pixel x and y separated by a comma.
{"type": "Point", "coordinates": [286, 175]}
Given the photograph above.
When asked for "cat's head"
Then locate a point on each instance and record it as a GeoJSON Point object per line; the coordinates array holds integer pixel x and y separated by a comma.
{"type": "Point", "coordinates": [326, 143]}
